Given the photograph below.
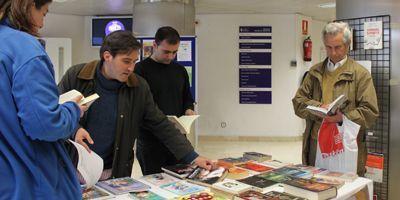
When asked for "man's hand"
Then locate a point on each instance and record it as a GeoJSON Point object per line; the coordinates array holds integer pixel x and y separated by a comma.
{"type": "Point", "coordinates": [205, 163]}
{"type": "Point", "coordinates": [80, 136]}
{"type": "Point", "coordinates": [190, 112]}
{"type": "Point", "coordinates": [338, 117]}
{"type": "Point", "coordinates": [83, 108]}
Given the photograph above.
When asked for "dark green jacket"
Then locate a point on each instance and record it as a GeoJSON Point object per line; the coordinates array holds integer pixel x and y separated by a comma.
{"type": "Point", "coordinates": [135, 108]}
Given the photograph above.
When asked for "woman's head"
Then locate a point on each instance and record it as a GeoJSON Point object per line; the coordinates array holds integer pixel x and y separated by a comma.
{"type": "Point", "coordinates": [25, 15]}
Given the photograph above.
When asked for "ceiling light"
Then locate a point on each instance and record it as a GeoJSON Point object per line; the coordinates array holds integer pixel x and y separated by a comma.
{"type": "Point", "coordinates": [327, 5]}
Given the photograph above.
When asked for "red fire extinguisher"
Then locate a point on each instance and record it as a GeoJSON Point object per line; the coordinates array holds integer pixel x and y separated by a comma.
{"type": "Point", "coordinates": [307, 49]}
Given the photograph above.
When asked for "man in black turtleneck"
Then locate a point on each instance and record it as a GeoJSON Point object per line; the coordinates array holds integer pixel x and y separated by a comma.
{"type": "Point", "coordinates": [112, 122]}
{"type": "Point", "coordinates": [169, 84]}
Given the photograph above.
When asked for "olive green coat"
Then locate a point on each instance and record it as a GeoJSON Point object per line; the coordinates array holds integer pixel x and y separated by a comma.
{"type": "Point", "coordinates": [356, 83]}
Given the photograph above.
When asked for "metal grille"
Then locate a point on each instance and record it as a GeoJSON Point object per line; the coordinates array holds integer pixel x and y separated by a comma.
{"type": "Point", "coordinates": [380, 70]}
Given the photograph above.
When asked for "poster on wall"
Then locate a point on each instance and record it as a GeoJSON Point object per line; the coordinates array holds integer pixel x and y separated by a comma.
{"type": "Point", "coordinates": [373, 35]}
{"type": "Point", "coordinates": [184, 51]}
{"type": "Point", "coordinates": [147, 48]}
{"type": "Point", "coordinates": [255, 59]}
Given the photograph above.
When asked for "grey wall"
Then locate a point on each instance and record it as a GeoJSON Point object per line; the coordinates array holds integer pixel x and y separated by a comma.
{"type": "Point", "coordinates": [364, 8]}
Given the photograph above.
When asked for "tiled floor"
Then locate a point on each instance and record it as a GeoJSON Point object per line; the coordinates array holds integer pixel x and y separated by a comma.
{"type": "Point", "coordinates": [285, 151]}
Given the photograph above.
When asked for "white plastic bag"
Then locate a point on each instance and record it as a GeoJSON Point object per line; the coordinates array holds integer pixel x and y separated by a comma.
{"type": "Point", "coordinates": [345, 161]}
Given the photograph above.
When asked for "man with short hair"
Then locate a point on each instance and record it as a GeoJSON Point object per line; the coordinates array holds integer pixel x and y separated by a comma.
{"type": "Point", "coordinates": [112, 122]}
{"type": "Point", "coordinates": [169, 84]}
{"type": "Point", "coordinates": [336, 75]}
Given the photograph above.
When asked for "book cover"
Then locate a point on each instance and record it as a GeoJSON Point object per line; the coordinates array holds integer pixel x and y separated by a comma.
{"type": "Point", "coordinates": [179, 170]}
{"type": "Point", "coordinates": [251, 195]}
{"type": "Point", "coordinates": [159, 179]}
{"type": "Point", "coordinates": [231, 186]}
{"type": "Point", "coordinates": [205, 177]}
{"type": "Point", "coordinates": [308, 185]}
{"type": "Point", "coordinates": [374, 167]}
{"type": "Point", "coordinates": [122, 185]}
{"type": "Point", "coordinates": [309, 189]}
{"type": "Point", "coordinates": [255, 167]}
{"type": "Point", "coordinates": [183, 123]}
{"type": "Point", "coordinates": [329, 181]}
{"type": "Point", "coordinates": [145, 195]}
{"type": "Point", "coordinates": [230, 162]}
{"type": "Point", "coordinates": [331, 110]}
{"type": "Point", "coordinates": [95, 193]}
{"type": "Point", "coordinates": [182, 188]}
{"type": "Point", "coordinates": [293, 172]}
{"type": "Point", "coordinates": [237, 173]}
{"type": "Point", "coordinates": [275, 163]}
{"type": "Point", "coordinates": [273, 195]}
{"type": "Point", "coordinates": [274, 176]}
{"type": "Point", "coordinates": [311, 169]}
{"type": "Point", "coordinates": [347, 177]}
{"type": "Point", "coordinates": [198, 196]}
{"type": "Point", "coordinates": [259, 157]}
{"type": "Point", "coordinates": [258, 183]}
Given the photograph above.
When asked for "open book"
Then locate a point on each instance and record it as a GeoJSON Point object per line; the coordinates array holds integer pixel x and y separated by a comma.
{"type": "Point", "coordinates": [90, 165]}
{"type": "Point", "coordinates": [331, 110]}
{"type": "Point", "coordinates": [70, 95]}
{"type": "Point", "coordinates": [183, 123]}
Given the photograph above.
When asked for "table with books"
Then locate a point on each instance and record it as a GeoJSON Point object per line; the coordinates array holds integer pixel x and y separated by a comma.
{"type": "Point", "coordinates": [254, 176]}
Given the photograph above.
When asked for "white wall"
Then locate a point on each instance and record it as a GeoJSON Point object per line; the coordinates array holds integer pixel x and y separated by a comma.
{"type": "Point", "coordinates": [78, 28]}
{"type": "Point", "coordinates": [218, 91]}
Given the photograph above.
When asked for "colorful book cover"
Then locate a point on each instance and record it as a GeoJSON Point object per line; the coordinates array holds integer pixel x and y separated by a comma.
{"type": "Point", "coordinates": [255, 167]}
{"type": "Point", "coordinates": [310, 169]}
{"type": "Point", "coordinates": [308, 185]}
{"type": "Point", "coordinates": [182, 188]}
{"type": "Point", "coordinates": [199, 196]}
{"type": "Point", "coordinates": [202, 176]}
{"type": "Point", "coordinates": [237, 173]}
{"type": "Point", "coordinates": [230, 162]}
{"type": "Point", "coordinates": [179, 170]}
{"type": "Point", "coordinates": [145, 195]}
{"type": "Point", "coordinates": [231, 186]}
{"type": "Point", "coordinates": [274, 176]}
{"type": "Point", "coordinates": [159, 179]}
{"type": "Point", "coordinates": [95, 193]}
{"type": "Point", "coordinates": [252, 195]}
{"type": "Point", "coordinates": [259, 157]}
{"type": "Point", "coordinates": [293, 172]}
{"type": "Point", "coordinates": [273, 195]}
{"type": "Point", "coordinates": [275, 163]}
{"type": "Point", "coordinates": [122, 185]}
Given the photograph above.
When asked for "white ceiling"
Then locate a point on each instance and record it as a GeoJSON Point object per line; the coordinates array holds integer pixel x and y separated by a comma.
{"type": "Point", "coordinates": [123, 7]}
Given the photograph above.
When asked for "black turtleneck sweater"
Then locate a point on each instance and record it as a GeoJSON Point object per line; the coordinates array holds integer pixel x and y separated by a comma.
{"type": "Point", "coordinates": [102, 118]}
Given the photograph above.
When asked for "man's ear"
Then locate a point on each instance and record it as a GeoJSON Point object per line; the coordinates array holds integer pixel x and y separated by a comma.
{"type": "Point", "coordinates": [107, 56]}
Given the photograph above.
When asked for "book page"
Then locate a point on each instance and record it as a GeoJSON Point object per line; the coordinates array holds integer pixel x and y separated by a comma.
{"type": "Point", "coordinates": [68, 96]}
{"type": "Point", "coordinates": [183, 123]}
{"type": "Point", "coordinates": [90, 165]}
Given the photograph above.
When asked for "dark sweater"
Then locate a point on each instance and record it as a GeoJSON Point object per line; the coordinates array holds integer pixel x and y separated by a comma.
{"type": "Point", "coordinates": [169, 85]}
{"type": "Point", "coordinates": [102, 118]}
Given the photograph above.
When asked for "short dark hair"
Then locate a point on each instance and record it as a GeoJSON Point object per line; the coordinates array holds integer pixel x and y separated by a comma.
{"type": "Point", "coordinates": [167, 33]}
{"type": "Point", "coordinates": [119, 42]}
{"type": "Point", "coordinates": [19, 13]}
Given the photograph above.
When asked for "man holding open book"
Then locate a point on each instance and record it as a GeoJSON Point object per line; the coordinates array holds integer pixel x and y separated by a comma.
{"type": "Point", "coordinates": [112, 122]}
{"type": "Point", "coordinates": [169, 84]}
{"type": "Point", "coordinates": [326, 81]}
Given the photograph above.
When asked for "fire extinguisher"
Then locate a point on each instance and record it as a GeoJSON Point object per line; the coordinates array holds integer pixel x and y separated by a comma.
{"type": "Point", "coordinates": [307, 49]}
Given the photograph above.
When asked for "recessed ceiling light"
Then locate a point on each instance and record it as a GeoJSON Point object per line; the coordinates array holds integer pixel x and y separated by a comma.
{"type": "Point", "coordinates": [327, 5]}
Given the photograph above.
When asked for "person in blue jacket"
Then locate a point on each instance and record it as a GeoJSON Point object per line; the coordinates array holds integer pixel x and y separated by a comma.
{"type": "Point", "coordinates": [33, 126]}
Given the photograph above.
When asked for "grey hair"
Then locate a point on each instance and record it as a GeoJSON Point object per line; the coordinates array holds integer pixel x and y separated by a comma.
{"type": "Point", "coordinates": [333, 28]}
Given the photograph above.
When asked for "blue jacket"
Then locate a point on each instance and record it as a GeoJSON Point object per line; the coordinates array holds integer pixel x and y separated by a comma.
{"type": "Point", "coordinates": [33, 160]}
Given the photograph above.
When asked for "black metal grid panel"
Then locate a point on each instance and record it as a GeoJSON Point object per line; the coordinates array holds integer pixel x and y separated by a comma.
{"type": "Point", "coordinates": [380, 70]}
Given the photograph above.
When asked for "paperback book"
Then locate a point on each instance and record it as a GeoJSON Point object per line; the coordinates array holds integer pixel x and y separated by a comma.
{"type": "Point", "coordinates": [259, 157]}
{"type": "Point", "coordinates": [309, 189]}
{"type": "Point", "coordinates": [179, 170]}
{"type": "Point", "coordinates": [122, 185]}
{"type": "Point", "coordinates": [183, 188]}
{"type": "Point", "coordinates": [205, 177]}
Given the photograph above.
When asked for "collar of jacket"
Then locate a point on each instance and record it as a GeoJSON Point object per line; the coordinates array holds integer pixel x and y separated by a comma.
{"type": "Point", "coordinates": [89, 70]}
{"type": "Point", "coordinates": [346, 75]}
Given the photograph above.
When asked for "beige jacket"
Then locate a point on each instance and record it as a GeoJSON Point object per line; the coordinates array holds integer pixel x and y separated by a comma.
{"type": "Point", "coordinates": [355, 82]}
